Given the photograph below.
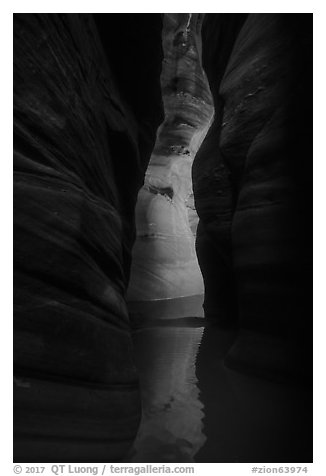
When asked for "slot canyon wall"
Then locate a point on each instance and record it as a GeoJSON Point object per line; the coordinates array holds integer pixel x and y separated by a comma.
{"type": "Point", "coordinates": [87, 105]}
{"type": "Point", "coordinates": [253, 189]}
{"type": "Point", "coordinates": [164, 263]}
{"type": "Point", "coordinates": [88, 119]}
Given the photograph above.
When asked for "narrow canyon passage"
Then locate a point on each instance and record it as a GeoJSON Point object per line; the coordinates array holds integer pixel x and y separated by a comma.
{"type": "Point", "coordinates": [194, 407]}
{"type": "Point", "coordinates": [162, 237]}
{"type": "Point", "coordinates": [164, 261]}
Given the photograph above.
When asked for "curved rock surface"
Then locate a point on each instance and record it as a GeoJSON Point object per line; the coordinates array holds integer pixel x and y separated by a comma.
{"type": "Point", "coordinates": [82, 143]}
{"type": "Point", "coordinates": [87, 109]}
{"type": "Point", "coordinates": [164, 258]}
{"type": "Point", "coordinates": [252, 184]}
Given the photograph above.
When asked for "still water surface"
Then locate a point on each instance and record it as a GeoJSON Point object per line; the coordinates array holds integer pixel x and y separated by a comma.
{"type": "Point", "coordinates": [197, 410]}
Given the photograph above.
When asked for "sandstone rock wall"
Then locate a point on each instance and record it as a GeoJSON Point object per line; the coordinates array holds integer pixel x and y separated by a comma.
{"type": "Point", "coordinates": [82, 141]}
{"type": "Point", "coordinates": [164, 258]}
{"type": "Point", "coordinates": [87, 107]}
{"type": "Point", "coordinates": [252, 184]}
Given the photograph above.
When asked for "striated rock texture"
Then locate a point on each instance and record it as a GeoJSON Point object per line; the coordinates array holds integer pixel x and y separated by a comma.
{"type": "Point", "coordinates": [83, 134]}
{"type": "Point", "coordinates": [252, 187]}
{"type": "Point", "coordinates": [164, 258]}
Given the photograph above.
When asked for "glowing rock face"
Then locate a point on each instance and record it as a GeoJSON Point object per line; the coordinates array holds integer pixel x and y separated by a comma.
{"type": "Point", "coordinates": [164, 257]}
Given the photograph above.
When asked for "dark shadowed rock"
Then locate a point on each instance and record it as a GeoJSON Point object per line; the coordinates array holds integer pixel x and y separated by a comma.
{"type": "Point", "coordinates": [211, 178]}
{"type": "Point", "coordinates": [82, 143]}
{"type": "Point", "coordinates": [252, 183]}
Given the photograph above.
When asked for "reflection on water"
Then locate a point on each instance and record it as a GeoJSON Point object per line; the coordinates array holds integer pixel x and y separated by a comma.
{"type": "Point", "coordinates": [171, 429]}
{"type": "Point", "coordinates": [196, 409]}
